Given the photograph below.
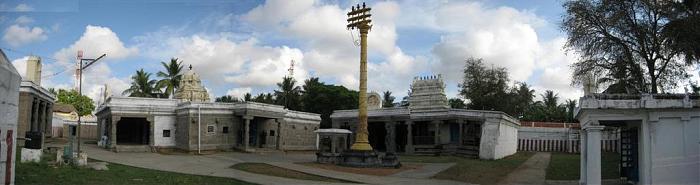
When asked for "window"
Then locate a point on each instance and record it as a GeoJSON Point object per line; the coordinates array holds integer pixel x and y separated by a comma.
{"type": "Point", "coordinates": [73, 130]}
{"type": "Point", "coordinates": [272, 133]}
{"type": "Point", "coordinates": [225, 130]}
{"type": "Point", "coordinates": [210, 129]}
{"type": "Point", "coordinates": [166, 133]}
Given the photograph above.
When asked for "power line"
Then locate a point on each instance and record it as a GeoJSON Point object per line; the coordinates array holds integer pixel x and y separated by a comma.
{"type": "Point", "coordinates": [66, 67]}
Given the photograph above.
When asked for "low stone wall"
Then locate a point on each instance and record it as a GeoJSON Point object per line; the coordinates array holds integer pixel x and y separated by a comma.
{"type": "Point", "coordinates": [560, 139]}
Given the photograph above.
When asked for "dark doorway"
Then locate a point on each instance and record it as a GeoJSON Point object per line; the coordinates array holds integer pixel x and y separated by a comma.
{"type": "Point", "coordinates": [133, 131]}
{"type": "Point", "coordinates": [401, 134]}
{"type": "Point", "coordinates": [377, 134]}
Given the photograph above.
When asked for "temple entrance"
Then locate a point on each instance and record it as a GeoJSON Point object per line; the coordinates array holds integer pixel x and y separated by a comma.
{"type": "Point", "coordinates": [377, 135]}
{"type": "Point", "coordinates": [133, 131]}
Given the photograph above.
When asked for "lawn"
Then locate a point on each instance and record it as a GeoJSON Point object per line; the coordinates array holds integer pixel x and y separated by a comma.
{"type": "Point", "coordinates": [566, 166]}
{"type": "Point", "coordinates": [46, 173]}
{"type": "Point", "coordinates": [473, 170]}
{"type": "Point", "coordinates": [266, 169]}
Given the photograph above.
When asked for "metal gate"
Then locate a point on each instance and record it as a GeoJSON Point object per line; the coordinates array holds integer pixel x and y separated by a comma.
{"type": "Point", "coordinates": [629, 158]}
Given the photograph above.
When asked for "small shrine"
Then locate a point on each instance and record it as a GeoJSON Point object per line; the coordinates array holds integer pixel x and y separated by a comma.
{"type": "Point", "coordinates": [191, 88]}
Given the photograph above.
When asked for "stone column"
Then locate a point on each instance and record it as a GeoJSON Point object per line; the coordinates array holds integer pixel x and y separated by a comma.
{"type": "Point", "coordinates": [582, 146]}
{"type": "Point", "coordinates": [460, 141]}
{"type": "Point", "coordinates": [246, 132]}
{"type": "Point", "coordinates": [49, 120]}
{"type": "Point", "coordinates": [409, 137]}
{"type": "Point", "coordinates": [113, 133]}
{"type": "Point", "coordinates": [41, 124]}
{"type": "Point", "coordinates": [390, 137]}
{"type": "Point", "coordinates": [35, 114]}
{"type": "Point", "coordinates": [593, 154]}
{"type": "Point", "coordinates": [437, 132]}
{"type": "Point", "coordinates": [279, 129]}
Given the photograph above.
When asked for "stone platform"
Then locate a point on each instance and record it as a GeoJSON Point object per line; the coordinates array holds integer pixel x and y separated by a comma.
{"type": "Point", "coordinates": [368, 159]}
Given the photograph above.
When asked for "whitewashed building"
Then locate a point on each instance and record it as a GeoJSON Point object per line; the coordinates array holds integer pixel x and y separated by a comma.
{"type": "Point", "coordinates": [429, 126]}
{"type": "Point", "coordinates": [659, 136]}
{"type": "Point", "coordinates": [192, 123]}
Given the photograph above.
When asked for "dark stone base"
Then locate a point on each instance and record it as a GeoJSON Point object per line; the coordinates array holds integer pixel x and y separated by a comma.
{"type": "Point", "coordinates": [391, 160]}
{"type": "Point", "coordinates": [328, 158]}
{"type": "Point", "coordinates": [368, 159]}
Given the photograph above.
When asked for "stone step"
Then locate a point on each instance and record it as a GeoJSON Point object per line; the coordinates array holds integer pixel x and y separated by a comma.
{"type": "Point", "coordinates": [133, 148]}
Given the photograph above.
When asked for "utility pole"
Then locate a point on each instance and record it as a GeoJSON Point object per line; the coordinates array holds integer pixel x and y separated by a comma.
{"type": "Point", "coordinates": [359, 17]}
{"type": "Point", "coordinates": [80, 83]}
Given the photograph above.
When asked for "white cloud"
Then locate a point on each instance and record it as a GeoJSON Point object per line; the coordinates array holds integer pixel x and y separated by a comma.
{"type": "Point", "coordinates": [95, 41]}
{"type": "Point", "coordinates": [21, 65]}
{"type": "Point", "coordinates": [274, 12]}
{"type": "Point", "coordinates": [23, 8]}
{"type": "Point", "coordinates": [239, 92]}
{"type": "Point", "coordinates": [17, 35]}
{"type": "Point", "coordinates": [24, 20]}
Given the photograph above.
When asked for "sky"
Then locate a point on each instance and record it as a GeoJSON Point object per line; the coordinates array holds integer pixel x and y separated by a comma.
{"type": "Point", "coordinates": [246, 46]}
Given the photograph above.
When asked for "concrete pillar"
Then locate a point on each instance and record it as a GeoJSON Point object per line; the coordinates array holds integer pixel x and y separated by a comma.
{"type": "Point", "coordinates": [460, 141]}
{"type": "Point", "coordinates": [409, 137]}
{"type": "Point", "coordinates": [246, 131]}
{"type": "Point", "coordinates": [593, 172]}
{"type": "Point", "coordinates": [41, 124]}
{"type": "Point", "coordinates": [582, 171]}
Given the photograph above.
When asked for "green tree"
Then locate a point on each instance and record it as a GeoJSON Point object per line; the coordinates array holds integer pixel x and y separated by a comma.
{"type": "Point", "coordinates": [83, 104]}
{"type": "Point", "coordinates": [570, 108]}
{"type": "Point", "coordinates": [485, 88]}
{"type": "Point", "coordinates": [227, 99]}
{"type": "Point", "coordinates": [683, 28]}
{"type": "Point", "coordinates": [388, 99]}
{"type": "Point", "coordinates": [324, 99]}
{"type": "Point", "coordinates": [624, 36]}
{"type": "Point", "coordinates": [170, 77]}
{"type": "Point", "coordinates": [457, 103]}
{"type": "Point", "coordinates": [521, 96]}
{"type": "Point", "coordinates": [288, 94]}
{"type": "Point", "coordinates": [142, 85]}
{"type": "Point", "coordinates": [247, 97]}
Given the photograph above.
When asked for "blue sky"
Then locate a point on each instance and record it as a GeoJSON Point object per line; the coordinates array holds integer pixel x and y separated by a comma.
{"type": "Point", "coordinates": [246, 46]}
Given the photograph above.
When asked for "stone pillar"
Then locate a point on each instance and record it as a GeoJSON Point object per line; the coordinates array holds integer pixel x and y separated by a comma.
{"type": "Point", "coordinates": [279, 129]}
{"type": "Point", "coordinates": [409, 137]}
{"type": "Point", "coordinates": [593, 172]}
{"type": "Point", "coordinates": [246, 132]}
{"type": "Point", "coordinates": [390, 137]}
{"type": "Point", "coordinates": [460, 141]}
{"type": "Point", "coordinates": [49, 120]}
{"type": "Point", "coordinates": [437, 132]}
{"type": "Point", "coordinates": [582, 146]}
{"type": "Point", "coordinates": [35, 113]}
{"type": "Point", "coordinates": [113, 135]}
{"type": "Point", "coordinates": [41, 124]}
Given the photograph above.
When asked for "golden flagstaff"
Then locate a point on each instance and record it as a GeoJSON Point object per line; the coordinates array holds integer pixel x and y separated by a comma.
{"type": "Point", "coordinates": [359, 17]}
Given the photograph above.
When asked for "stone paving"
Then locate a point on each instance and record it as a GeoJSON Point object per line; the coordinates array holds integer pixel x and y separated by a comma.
{"type": "Point", "coordinates": [532, 171]}
{"type": "Point", "coordinates": [219, 164]}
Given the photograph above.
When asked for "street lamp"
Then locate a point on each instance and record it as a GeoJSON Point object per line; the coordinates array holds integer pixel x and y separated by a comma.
{"type": "Point", "coordinates": [88, 63]}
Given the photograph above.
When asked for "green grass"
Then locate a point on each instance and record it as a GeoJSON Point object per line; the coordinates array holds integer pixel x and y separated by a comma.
{"type": "Point", "coordinates": [566, 166]}
{"type": "Point", "coordinates": [46, 173]}
{"type": "Point", "coordinates": [473, 170]}
{"type": "Point", "coordinates": [266, 169]}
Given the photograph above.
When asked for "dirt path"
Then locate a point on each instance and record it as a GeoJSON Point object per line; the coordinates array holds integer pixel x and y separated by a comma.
{"type": "Point", "coordinates": [533, 171]}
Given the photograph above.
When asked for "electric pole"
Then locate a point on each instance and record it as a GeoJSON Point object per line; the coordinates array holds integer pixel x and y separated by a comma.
{"type": "Point", "coordinates": [359, 17]}
{"type": "Point", "coordinates": [81, 68]}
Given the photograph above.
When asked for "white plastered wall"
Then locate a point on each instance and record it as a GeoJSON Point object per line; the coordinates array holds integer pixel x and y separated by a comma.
{"type": "Point", "coordinates": [164, 123]}
{"type": "Point", "coordinates": [675, 154]}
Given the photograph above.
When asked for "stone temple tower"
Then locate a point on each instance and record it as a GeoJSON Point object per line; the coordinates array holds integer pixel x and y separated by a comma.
{"type": "Point", "coordinates": [191, 88]}
{"type": "Point", "coordinates": [428, 93]}
{"type": "Point", "coordinates": [33, 72]}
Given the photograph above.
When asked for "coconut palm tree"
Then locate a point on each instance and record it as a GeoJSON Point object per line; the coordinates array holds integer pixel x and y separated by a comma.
{"type": "Point", "coordinates": [288, 93]}
{"type": "Point", "coordinates": [142, 85]}
{"type": "Point", "coordinates": [170, 77]}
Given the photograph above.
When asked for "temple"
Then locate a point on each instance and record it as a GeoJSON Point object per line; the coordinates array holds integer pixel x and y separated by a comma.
{"type": "Point", "coordinates": [190, 122]}
{"type": "Point", "coordinates": [429, 126]}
